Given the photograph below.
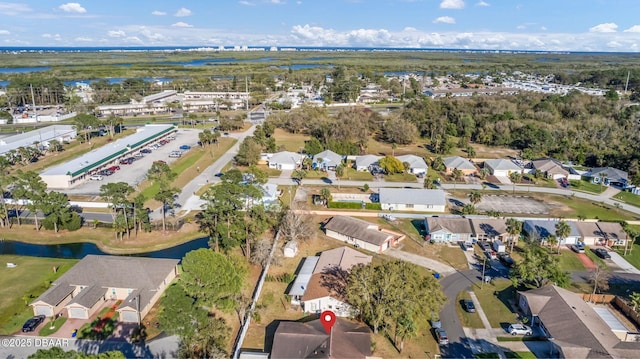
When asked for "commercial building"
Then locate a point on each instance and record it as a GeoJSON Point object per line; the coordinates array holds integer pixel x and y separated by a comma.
{"type": "Point", "coordinates": [41, 137]}
{"type": "Point", "coordinates": [79, 169]}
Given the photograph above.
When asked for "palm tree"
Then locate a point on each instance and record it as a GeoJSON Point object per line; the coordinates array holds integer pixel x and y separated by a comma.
{"type": "Point", "coordinates": [514, 227]}
{"type": "Point", "coordinates": [516, 177]}
{"type": "Point", "coordinates": [457, 174]}
{"type": "Point", "coordinates": [562, 231]}
{"type": "Point", "coordinates": [552, 241]}
{"type": "Point", "coordinates": [475, 197]}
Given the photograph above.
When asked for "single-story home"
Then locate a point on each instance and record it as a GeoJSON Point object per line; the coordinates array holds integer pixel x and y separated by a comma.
{"type": "Point", "coordinates": [613, 233]}
{"type": "Point", "coordinates": [324, 288]}
{"type": "Point", "coordinates": [541, 229]}
{"type": "Point", "coordinates": [551, 168]}
{"type": "Point", "coordinates": [135, 281]}
{"type": "Point", "coordinates": [441, 229]}
{"type": "Point", "coordinates": [501, 167]}
{"type": "Point", "coordinates": [417, 165]}
{"type": "Point", "coordinates": [590, 233]}
{"type": "Point", "coordinates": [327, 160]}
{"type": "Point", "coordinates": [610, 176]}
{"type": "Point", "coordinates": [361, 233]}
{"type": "Point", "coordinates": [412, 199]}
{"type": "Point", "coordinates": [489, 229]}
{"type": "Point", "coordinates": [285, 160]}
{"type": "Point", "coordinates": [574, 328]}
{"type": "Point", "coordinates": [364, 163]}
{"type": "Point", "coordinates": [462, 164]}
{"type": "Point", "coordinates": [347, 340]}
{"type": "Point", "coordinates": [270, 194]}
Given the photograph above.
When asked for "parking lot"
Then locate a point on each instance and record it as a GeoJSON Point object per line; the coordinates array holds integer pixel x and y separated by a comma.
{"type": "Point", "coordinates": [512, 204]}
{"type": "Point", "coordinates": [137, 171]}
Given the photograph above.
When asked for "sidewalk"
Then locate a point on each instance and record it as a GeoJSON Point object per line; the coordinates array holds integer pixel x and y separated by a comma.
{"type": "Point", "coordinates": [623, 264]}
{"type": "Point", "coordinates": [429, 263]}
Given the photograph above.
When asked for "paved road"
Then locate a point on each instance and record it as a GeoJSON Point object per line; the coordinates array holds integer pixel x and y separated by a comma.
{"type": "Point", "coordinates": [434, 265]}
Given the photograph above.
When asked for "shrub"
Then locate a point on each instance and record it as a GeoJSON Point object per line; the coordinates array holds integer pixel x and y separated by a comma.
{"type": "Point", "coordinates": [74, 223]}
{"type": "Point", "coordinates": [346, 205]}
{"type": "Point", "coordinates": [374, 206]}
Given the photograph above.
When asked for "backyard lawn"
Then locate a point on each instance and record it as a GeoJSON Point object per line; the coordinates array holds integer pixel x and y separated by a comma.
{"type": "Point", "coordinates": [495, 306]}
{"type": "Point", "coordinates": [289, 141]}
{"type": "Point", "coordinates": [19, 286]}
{"type": "Point", "coordinates": [350, 174]}
{"type": "Point", "coordinates": [628, 197]}
{"type": "Point", "coordinates": [569, 261]}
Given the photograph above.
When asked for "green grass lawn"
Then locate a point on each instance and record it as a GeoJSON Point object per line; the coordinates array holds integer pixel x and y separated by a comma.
{"type": "Point", "coordinates": [628, 197]}
{"type": "Point", "coordinates": [48, 330]}
{"type": "Point", "coordinates": [569, 261]}
{"type": "Point", "coordinates": [350, 174]}
{"type": "Point", "coordinates": [495, 306]}
{"type": "Point", "coordinates": [19, 286]}
{"type": "Point", "coordinates": [591, 210]}
{"type": "Point", "coordinates": [400, 177]}
{"type": "Point", "coordinates": [586, 186]}
{"type": "Point", "coordinates": [290, 141]}
{"type": "Point", "coordinates": [633, 255]}
{"type": "Point", "coordinates": [597, 260]}
{"type": "Point", "coordinates": [469, 320]}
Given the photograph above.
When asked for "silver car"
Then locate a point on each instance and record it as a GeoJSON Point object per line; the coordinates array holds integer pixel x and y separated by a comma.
{"type": "Point", "coordinates": [519, 329]}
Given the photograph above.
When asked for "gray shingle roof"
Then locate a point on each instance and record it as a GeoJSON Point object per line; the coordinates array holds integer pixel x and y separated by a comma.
{"type": "Point", "coordinates": [413, 160]}
{"type": "Point", "coordinates": [502, 164]}
{"type": "Point", "coordinates": [342, 257]}
{"type": "Point", "coordinates": [489, 227]}
{"type": "Point", "coordinates": [357, 228]}
{"type": "Point", "coordinates": [611, 173]}
{"type": "Point", "coordinates": [459, 163]}
{"type": "Point", "coordinates": [451, 225]}
{"type": "Point", "coordinates": [56, 294]}
{"type": "Point", "coordinates": [286, 157]}
{"type": "Point", "coordinates": [329, 158]}
{"type": "Point", "coordinates": [412, 196]}
{"type": "Point", "coordinates": [89, 296]}
{"type": "Point", "coordinates": [366, 160]}
{"type": "Point", "coordinates": [550, 166]}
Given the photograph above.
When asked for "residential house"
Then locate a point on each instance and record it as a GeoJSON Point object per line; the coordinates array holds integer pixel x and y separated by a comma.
{"type": "Point", "coordinates": [326, 286]}
{"type": "Point", "coordinates": [462, 164]}
{"type": "Point", "coordinates": [575, 328]}
{"type": "Point", "coordinates": [590, 233]}
{"type": "Point", "coordinates": [501, 167]}
{"type": "Point", "coordinates": [365, 163]}
{"type": "Point", "coordinates": [137, 282]}
{"type": "Point", "coordinates": [361, 233]}
{"type": "Point", "coordinates": [347, 340]}
{"type": "Point", "coordinates": [270, 194]}
{"type": "Point", "coordinates": [417, 165]}
{"type": "Point", "coordinates": [412, 199]}
{"type": "Point", "coordinates": [327, 160]}
{"type": "Point", "coordinates": [613, 234]}
{"type": "Point", "coordinates": [441, 229]}
{"type": "Point", "coordinates": [285, 160]}
{"type": "Point", "coordinates": [541, 229]}
{"type": "Point", "coordinates": [609, 176]}
{"type": "Point", "coordinates": [550, 168]}
{"type": "Point", "coordinates": [489, 229]}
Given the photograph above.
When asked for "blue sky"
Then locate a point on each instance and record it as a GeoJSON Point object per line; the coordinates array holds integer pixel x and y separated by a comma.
{"type": "Point", "coordinates": [555, 25]}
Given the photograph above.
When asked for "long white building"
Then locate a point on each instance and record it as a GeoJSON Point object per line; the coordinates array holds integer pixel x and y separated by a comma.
{"type": "Point", "coordinates": [41, 137]}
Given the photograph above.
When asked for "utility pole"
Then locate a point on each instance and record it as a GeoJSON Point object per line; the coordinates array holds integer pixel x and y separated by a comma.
{"type": "Point", "coordinates": [33, 100]}
{"type": "Point", "coordinates": [484, 265]}
{"type": "Point", "coordinates": [627, 83]}
{"type": "Point", "coordinates": [246, 89]}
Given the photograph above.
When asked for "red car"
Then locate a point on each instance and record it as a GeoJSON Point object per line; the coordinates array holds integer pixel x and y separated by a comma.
{"type": "Point", "coordinates": [114, 168]}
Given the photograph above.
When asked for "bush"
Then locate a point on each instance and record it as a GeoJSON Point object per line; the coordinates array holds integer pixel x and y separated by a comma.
{"type": "Point", "coordinates": [374, 206]}
{"type": "Point", "coordinates": [74, 223]}
{"type": "Point", "coordinates": [346, 205]}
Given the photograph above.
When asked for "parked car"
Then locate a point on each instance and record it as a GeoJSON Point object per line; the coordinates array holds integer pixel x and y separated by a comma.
{"type": "Point", "coordinates": [163, 142]}
{"type": "Point", "coordinates": [491, 254]}
{"type": "Point", "coordinates": [175, 154]}
{"type": "Point", "coordinates": [506, 259]}
{"type": "Point", "coordinates": [96, 178]}
{"type": "Point", "coordinates": [32, 323]}
{"type": "Point", "coordinates": [602, 253]}
{"type": "Point", "coordinates": [145, 151]}
{"type": "Point", "coordinates": [114, 168]}
{"type": "Point", "coordinates": [468, 306]}
{"type": "Point", "coordinates": [519, 329]}
{"type": "Point", "coordinates": [484, 245]}
{"type": "Point", "coordinates": [128, 161]}
{"type": "Point", "coordinates": [185, 147]}
{"type": "Point", "coordinates": [441, 334]}
{"type": "Point", "coordinates": [106, 172]}
{"type": "Point", "coordinates": [139, 154]}
{"type": "Point", "coordinates": [467, 246]}
{"type": "Point", "coordinates": [219, 174]}
{"type": "Point", "coordinates": [225, 133]}
{"type": "Point", "coordinates": [577, 248]}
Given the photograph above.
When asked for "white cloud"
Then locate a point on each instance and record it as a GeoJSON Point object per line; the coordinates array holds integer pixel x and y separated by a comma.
{"type": "Point", "coordinates": [482, 3]}
{"type": "Point", "coordinates": [299, 2]}
{"type": "Point", "coordinates": [521, 27]}
{"type": "Point", "coordinates": [605, 27]}
{"type": "Point", "coordinates": [277, 2]}
{"type": "Point", "coordinates": [73, 7]}
{"type": "Point", "coordinates": [634, 28]}
{"type": "Point", "coordinates": [247, 3]}
{"type": "Point", "coordinates": [181, 24]}
{"type": "Point", "coordinates": [182, 12]}
{"type": "Point", "coordinates": [158, 13]}
{"type": "Point", "coordinates": [56, 37]}
{"type": "Point", "coordinates": [614, 44]}
{"type": "Point", "coordinates": [543, 28]}
{"type": "Point", "coordinates": [452, 4]}
{"type": "Point", "coordinates": [12, 9]}
{"type": "Point", "coordinates": [83, 39]}
{"type": "Point", "coordinates": [444, 20]}
{"type": "Point", "coordinates": [118, 33]}
{"type": "Point", "coordinates": [4, 32]}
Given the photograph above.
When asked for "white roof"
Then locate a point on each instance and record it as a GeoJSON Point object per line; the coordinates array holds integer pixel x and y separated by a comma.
{"type": "Point", "coordinates": [328, 157]}
{"type": "Point", "coordinates": [459, 163]}
{"type": "Point", "coordinates": [502, 164]}
{"type": "Point", "coordinates": [41, 135]}
{"type": "Point", "coordinates": [412, 196]}
{"type": "Point", "coordinates": [304, 276]}
{"type": "Point", "coordinates": [286, 157]}
{"type": "Point", "coordinates": [109, 151]}
{"type": "Point", "coordinates": [367, 160]}
{"type": "Point", "coordinates": [413, 160]}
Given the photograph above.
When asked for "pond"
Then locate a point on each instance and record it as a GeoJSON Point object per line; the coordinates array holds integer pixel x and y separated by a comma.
{"type": "Point", "coordinates": [79, 250]}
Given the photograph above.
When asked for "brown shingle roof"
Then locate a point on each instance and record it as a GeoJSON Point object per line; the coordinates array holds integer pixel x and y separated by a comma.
{"type": "Point", "coordinates": [341, 257]}
{"type": "Point", "coordinates": [588, 229]}
{"type": "Point", "coordinates": [309, 340]}
{"type": "Point", "coordinates": [489, 227]}
{"type": "Point", "coordinates": [612, 231]}
{"type": "Point", "coordinates": [357, 228]}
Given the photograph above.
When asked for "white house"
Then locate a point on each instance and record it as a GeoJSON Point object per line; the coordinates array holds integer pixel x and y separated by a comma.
{"type": "Point", "coordinates": [501, 167]}
{"type": "Point", "coordinates": [412, 199]}
{"type": "Point", "coordinates": [448, 229]}
{"type": "Point", "coordinates": [285, 160]}
{"type": "Point", "coordinates": [361, 233]}
{"type": "Point", "coordinates": [327, 160]}
{"type": "Point", "coordinates": [462, 164]}
{"type": "Point", "coordinates": [320, 289]}
{"type": "Point", "coordinates": [363, 163]}
{"type": "Point", "coordinates": [417, 165]}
